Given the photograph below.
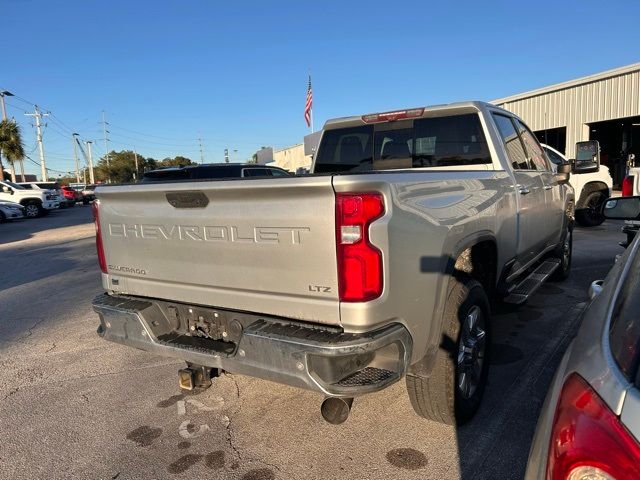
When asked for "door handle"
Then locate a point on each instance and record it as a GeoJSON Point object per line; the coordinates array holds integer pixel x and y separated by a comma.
{"type": "Point", "coordinates": [522, 190]}
{"type": "Point", "coordinates": [548, 187]}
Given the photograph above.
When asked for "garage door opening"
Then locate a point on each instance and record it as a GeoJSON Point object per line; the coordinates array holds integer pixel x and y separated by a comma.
{"type": "Point", "coordinates": [618, 138]}
{"type": "Point", "coordinates": [555, 138]}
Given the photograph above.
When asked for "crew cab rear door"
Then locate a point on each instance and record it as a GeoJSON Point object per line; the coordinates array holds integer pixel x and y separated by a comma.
{"type": "Point", "coordinates": [533, 222]}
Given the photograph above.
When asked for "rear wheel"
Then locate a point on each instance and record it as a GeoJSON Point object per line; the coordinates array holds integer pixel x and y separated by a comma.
{"type": "Point", "coordinates": [590, 215]}
{"type": "Point", "coordinates": [453, 391]}
{"type": "Point", "coordinates": [33, 210]}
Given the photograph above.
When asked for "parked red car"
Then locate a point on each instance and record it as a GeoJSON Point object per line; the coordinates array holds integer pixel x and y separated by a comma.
{"type": "Point", "coordinates": [71, 194]}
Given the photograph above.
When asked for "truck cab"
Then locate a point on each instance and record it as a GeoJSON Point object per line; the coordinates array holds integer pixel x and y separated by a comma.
{"type": "Point", "coordinates": [591, 189]}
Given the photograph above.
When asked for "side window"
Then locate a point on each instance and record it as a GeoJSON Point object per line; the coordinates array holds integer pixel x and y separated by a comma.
{"type": "Point", "coordinates": [536, 154]}
{"type": "Point", "coordinates": [28, 186]}
{"type": "Point", "coordinates": [279, 173]}
{"type": "Point", "coordinates": [513, 144]}
{"type": "Point", "coordinates": [554, 157]}
{"type": "Point", "coordinates": [257, 172]}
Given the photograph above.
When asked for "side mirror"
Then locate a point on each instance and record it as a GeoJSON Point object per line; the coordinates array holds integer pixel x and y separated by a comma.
{"type": "Point", "coordinates": [6, 189]}
{"type": "Point", "coordinates": [587, 157]}
{"type": "Point", "coordinates": [622, 208]}
{"type": "Point", "coordinates": [563, 173]}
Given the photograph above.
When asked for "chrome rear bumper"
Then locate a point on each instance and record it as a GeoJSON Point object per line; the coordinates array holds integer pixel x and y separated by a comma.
{"type": "Point", "coordinates": [293, 353]}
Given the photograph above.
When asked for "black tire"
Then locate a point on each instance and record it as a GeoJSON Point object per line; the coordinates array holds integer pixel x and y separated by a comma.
{"type": "Point", "coordinates": [441, 396]}
{"type": "Point", "coordinates": [590, 213]}
{"type": "Point", "coordinates": [564, 252]}
{"type": "Point", "coordinates": [33, 209]}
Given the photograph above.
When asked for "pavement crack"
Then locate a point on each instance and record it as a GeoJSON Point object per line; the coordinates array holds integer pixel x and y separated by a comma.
{"type": "Point", "coordinates": [52, 347]}
{"type": "Point", "coordinates": [230, 441]}
{"type": "Point", "coordinates": [30, 330]}
{"type": "Point", "coordinates": [15, 390]}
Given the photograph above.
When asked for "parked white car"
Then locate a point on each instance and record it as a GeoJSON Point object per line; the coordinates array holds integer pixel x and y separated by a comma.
{"type": "Point", "coordinates": [591, 190]}
{"type": "Point", "coordinates": [10, 211]}
{"type": "Point", "coordinates": [35, 202]}
{"type": "Point", "coordinates": [51, 188]}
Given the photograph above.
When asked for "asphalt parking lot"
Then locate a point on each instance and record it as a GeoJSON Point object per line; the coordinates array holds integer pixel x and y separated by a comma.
{"type": "Point", "coordinates": [74, 406]}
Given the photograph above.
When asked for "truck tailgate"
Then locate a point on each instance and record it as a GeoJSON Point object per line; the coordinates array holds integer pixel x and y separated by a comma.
{"type": "Point", "coordinates": [258, 245]}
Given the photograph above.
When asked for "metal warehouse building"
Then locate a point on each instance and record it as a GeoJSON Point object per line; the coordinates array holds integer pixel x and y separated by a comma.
{"type": "Point", "coordinates": [603, 107]}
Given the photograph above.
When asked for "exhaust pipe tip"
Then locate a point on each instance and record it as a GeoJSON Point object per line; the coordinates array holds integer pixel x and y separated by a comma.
{"type": "Point", "coordinates": [335, 410]}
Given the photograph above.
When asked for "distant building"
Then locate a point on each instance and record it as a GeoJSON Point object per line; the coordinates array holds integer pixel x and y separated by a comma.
{"type": "Point", "coordinates": [292, 158]}
{"type": "Point", "coordinates": [603, 107]}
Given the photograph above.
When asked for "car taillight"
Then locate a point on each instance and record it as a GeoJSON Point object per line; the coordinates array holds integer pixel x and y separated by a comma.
{"type": "Point", "coordinates": [359, 262]}
{"type": "Point", "coordinates": [588, 442]}
{"type": "Point", "coordinates": [627, 186]}
{"type": "Point", "coordinates": [99, 246]}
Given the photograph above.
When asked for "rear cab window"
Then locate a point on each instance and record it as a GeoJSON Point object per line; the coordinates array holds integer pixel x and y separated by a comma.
{"type": "Point", "coordinates": [451, 140]}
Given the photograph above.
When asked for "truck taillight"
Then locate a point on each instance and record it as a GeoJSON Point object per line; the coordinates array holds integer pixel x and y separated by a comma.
{"type": "Point", "coordinates": [627, 186]}
{"type": "Point", "coordinates": [393, 116]}
{"type": "Point", "coordinates": [359, 262]}
{"type": "Point", "coordinates": [99, 247]}
{"type": "Point", "coordinates": [587, 439]}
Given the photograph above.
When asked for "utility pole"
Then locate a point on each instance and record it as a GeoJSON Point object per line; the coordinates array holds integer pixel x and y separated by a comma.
{"type": "Point", "coordinates": [3, 94]}
{"type": "Point", "coordinates": [135, 156]}
{"type": "Point", "coordinates": [75, 154]}
{"type": "Point", "coordinates": [91, 176]}
{"type": "Point", "coordinates": [201, 151]}
{"type": "Point", "coordinates": [4, 117]}
{"type": "Point", "coordinates": [106, 141]}
{"type": "Point", "coordinates": [38, 116]}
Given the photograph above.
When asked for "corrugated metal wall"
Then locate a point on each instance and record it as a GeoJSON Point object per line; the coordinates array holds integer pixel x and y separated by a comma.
{"type": "Point", "coordinates": [574, 107]}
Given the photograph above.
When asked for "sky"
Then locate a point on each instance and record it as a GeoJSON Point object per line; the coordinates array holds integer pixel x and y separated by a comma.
{"type": "Point", "coordinates": [235, 74]}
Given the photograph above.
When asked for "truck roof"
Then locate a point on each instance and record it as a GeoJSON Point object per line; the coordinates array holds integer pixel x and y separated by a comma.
{"type": "Point", "coordinates": [357, 120]}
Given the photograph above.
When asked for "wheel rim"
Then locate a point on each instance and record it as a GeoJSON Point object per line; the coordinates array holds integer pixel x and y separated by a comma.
{"type": "Point", "coordinates": [566, 250]}
{"type": "Point", "coordinates": [471, 352]}
{"type": "Point", "coordinates": [592, 209]}
{"type": "Point", "coordinates": [31, 210]}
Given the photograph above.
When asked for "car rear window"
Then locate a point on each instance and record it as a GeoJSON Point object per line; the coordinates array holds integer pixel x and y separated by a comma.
{"type": "Point", "coordinates": [164, 175]}
{"type": "Point", "coordinates": [214, 172]}
{"type": "Point", "coordinates": [48, 186]}
{"type": "Point", "coordinates": [624, 333]}
{"type": "Point", "coordinates": [454, 140]}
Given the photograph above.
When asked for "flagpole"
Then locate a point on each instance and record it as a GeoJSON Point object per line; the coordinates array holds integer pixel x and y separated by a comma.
{"type": "Point", "coordinates": [311, 112]}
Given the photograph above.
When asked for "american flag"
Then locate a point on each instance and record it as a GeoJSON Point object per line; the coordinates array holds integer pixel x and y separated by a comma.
{"type": "Point", "coordinates": [309, 104]}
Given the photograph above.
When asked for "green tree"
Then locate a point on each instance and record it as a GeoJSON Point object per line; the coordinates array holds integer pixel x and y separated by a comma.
{"type": "Point", "coordinates": [178, 161]}
{"type": "Point", "coordinates": [11, 145]}
{"type": "Point", "coordinates": [122, 167]}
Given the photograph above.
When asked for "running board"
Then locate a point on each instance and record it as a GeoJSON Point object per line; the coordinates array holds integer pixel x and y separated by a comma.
{"type": "Point", "coordinates": [533, 282]}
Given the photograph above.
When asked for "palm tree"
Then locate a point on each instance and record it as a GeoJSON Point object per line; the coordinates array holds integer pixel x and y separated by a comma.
{"type": "Point", "coordinates": [11, 144]}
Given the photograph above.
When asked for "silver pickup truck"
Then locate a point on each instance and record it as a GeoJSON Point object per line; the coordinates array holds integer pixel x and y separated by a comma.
{"type": "Point", "coordinates": [382, 264]}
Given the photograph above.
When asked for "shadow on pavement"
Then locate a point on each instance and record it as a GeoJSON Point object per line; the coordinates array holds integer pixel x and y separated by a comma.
{"type": "Point", "coordinates": [24, 229]}
{"type": "Point", "coordinates": [527, 345]}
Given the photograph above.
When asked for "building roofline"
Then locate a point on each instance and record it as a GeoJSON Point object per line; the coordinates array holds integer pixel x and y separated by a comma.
{"type": "Point", "coordinates": [571, 83]}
